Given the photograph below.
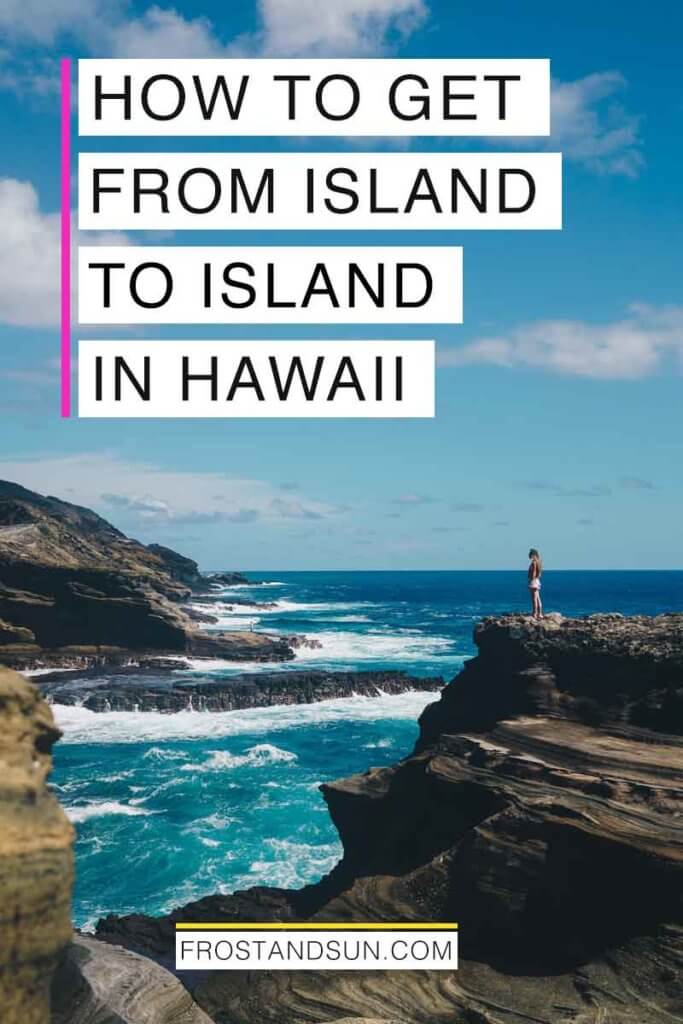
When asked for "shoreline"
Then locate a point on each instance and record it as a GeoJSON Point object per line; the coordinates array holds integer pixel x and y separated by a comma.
{"type": "Point", "coordinates": [540, 779]}
{"type": "Point", "coordinates": [81, 659]}
{"type": "Point", "coordinates": [101, 694]}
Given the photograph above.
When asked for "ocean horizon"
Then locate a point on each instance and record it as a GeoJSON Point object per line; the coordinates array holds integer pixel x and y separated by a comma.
{"type": "Point", "coordinates": [196, 802]}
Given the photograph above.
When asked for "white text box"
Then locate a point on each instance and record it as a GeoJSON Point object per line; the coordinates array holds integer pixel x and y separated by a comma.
{"type": "Point", "coordinates": [271, 379]}
{"type": "Point", "coordinates": [265, 284]}
{"type": "Point", "coordinates": [322, 949]}
{"type": "Point", "coordinates": [342, 97]}
{"type": "Point", "coordinates": [311, 191]}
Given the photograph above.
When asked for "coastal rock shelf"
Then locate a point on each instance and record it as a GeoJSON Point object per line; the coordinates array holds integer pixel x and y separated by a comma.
{"type": "Point", "coordinates": [131, 693]}
{"type": "Point", "coordinates": [75, 591]}
{"type": "Point", "coordinates": [541, 809]}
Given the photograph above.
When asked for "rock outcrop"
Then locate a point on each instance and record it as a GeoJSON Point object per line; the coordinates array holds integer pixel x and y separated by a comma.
{"type": "Point", "coordinates": [134, 693]}
{"type": "Point", "coordinates": [229, 579]}
{"type": "Point", "coordinates": [103, 984]}
{"type": "Point", "coordinates": [541, 809]}
{"type": "Point", "coordinates": [73, 586]}
{"type": "Point", "coordinates": [35, 856]}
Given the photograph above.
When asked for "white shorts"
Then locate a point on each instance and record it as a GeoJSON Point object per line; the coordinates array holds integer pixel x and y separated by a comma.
{"type": "Point", "coordinates": [535, 584]}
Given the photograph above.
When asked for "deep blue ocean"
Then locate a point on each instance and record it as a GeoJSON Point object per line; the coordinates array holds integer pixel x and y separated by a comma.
{"type": "Point", "coordinates": [169, 808]}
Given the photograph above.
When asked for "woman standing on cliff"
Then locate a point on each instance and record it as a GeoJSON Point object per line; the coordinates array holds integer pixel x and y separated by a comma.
{"type": "Point", "coordinates": [534, 580]}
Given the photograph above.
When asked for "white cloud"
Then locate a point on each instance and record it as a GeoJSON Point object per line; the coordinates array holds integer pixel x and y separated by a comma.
{"type": "Point", "coordinates": [591, 127]}
{"type": "Point", "coordinates": [101, 28]}
{"type": "Point", "coordinates": [632, 347]}
{"type": "Point", "coordinates": [138, 494]}
{"type": "Point", "coordinates": [30, 257]}
{"type": "Point", "coordinates": [43, 21]}
{"type": "Point", "coordinates": [287, 27]}
{"type": "Point", "coordinates": [164, 32]}
{"type": "Point", "coordinates": [288, 509]}
{"type": "Point", "coordinates": [353, 27]}
{"type": "Point", "coordinates": [36, 76]}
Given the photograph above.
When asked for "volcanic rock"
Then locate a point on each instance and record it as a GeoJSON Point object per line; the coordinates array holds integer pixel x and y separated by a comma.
{"type": "Point", "coordinates": [541, 810]}
{"type": "Point", "coordinates": [135, 693]}
{"type": "Point", "coordinates": [231, 579]}
{"type": "Point", "coordinates": [103, 984]}
{"type": "Point", "coordinates": [69, 580]}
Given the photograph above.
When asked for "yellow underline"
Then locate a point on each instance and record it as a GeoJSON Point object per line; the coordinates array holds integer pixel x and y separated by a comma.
{"type": "Point", "coordinates": [313, 926]}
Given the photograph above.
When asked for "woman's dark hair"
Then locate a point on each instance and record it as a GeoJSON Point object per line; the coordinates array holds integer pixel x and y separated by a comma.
{"type": "Point", "coordinates": [533, 553]}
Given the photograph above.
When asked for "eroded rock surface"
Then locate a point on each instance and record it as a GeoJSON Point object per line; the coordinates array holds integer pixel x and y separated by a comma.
{"type": "Point", "coordinates": [97, 983]}
{"type": "Point", "coordinates": [134, 692]}
{"type": "Point", "coordinates": [542, 809]}
{"type": "Point", "coordinates": [35, 856]}
{"type": "Point", "coordinates": [75, 590]}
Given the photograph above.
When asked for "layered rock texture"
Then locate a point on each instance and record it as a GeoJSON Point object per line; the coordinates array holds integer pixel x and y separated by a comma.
{"type": "Point", "coordinates": [35, 856]}
{"type": "Point", "coordinates": [134, 693]}
{"type": "Point", "coordinates": [541, 809]}
{"type": "Point", "coordinates": [101, 984]}
{"type": "Point", "coordinates": [73, 588]}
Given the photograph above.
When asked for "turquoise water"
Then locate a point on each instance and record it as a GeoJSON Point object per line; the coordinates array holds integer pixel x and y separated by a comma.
{"type": "Point", "coordinates": [169, 808]}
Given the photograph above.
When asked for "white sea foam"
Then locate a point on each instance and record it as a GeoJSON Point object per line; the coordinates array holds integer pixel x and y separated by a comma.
{"type": "Point", "coordinates": [348, 650]}
{"type": "Point", "coordinates": [212, 823]}
{"type": "Point", "coordinates": [243, 589]}
{"type": "Point", "coordinates": [171, 783]}
{"type": "Point", "coordinates": [223, 588]}
{"type": "Point", "coordinates": [116, 777]}
{"type": "Point", "coordinates": [348, 618]}
{"type": "Point", "coordinates": [400, 647]}
{"type": "Point", "coordinates": [45, 671]}
{"type": "Point", "coordinates": [257, 757]}
{"type": "Point", "coordinates": [291, 864]}
{"type": "Point", "coordinates": [102, 808]}
{"type": "Point", "coordinates": [225, 610]}
{"type": "Point", "coordinates": [216, 821]}
{"type": "Point", "coordinates": [227, 668]}
{"type": "Point", "coordinates": [285, 605]}
{"type": "Point", "coordinates": [237, 623]}
{"type": "Point", "coordinates": [80, 725]}
{"type": "Point", "coordinates": [164, 754]}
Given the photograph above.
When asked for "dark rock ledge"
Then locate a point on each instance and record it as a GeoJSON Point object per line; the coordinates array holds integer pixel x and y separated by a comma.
{"type": "Point", "coordinates": [542, 809]}
{"type": "Point", "coordinates": [76, 592]}
{"type": "Point", "coordinates": [248, 690]}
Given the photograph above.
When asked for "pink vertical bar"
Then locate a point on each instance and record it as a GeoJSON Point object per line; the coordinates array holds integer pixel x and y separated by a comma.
{"type": "Point", "coordinates": [66, 238]}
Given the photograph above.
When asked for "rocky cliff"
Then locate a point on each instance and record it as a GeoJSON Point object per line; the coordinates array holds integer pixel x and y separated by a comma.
{"type": "Point", "coordinates": [542, 809]}
{"type": "Point", "coordinates": [35, 856]}
{"type": "Point", "coordinates": [72, 586]}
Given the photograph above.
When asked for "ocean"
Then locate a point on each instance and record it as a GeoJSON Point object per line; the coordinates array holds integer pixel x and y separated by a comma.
{"type": "Point", "coordinates": [169, 808]}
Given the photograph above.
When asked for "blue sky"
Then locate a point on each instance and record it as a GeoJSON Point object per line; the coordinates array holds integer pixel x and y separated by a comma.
{"type": "Point", "coordinates": [559, 399]}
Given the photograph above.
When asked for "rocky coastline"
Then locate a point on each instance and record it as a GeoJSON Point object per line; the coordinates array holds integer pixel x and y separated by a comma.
{"type": "Point", "coordinates": [134, 693]}
{"type": "Point", "coordinates": [76, 593]}
{"type": "Point", "coordinates": [541, 809]}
